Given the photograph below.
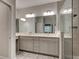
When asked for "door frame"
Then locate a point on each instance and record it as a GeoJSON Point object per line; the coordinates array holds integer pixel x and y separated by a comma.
{"type": "Point", "coordinates": [12, 36]}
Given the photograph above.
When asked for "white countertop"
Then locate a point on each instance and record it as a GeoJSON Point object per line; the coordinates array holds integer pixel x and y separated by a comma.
{"type": "Point", "coordinates": [54, 35]}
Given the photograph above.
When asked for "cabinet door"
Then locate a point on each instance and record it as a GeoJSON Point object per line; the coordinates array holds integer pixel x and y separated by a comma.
{"type": "Point", "coordinates": [26, 43]}
{"type": "Point", "coordinates": [36, 45]}
{"type": "Point", "coordinates": [4, 29]}
{"type": "Point", "coordinates": [53, 46]}
{"type": "Point", "coordinates": [49, 46]}
{"type": "Point", "coordinates": [43, 45]}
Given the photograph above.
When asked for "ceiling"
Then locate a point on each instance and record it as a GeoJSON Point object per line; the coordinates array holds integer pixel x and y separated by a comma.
{"type": "Point", "coordinates": [30, 3]}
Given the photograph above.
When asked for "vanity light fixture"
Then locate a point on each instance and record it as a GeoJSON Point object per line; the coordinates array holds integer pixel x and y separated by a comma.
{"type": "Point", "coordinates": [70, 10]}
{"type": "Point", "coordinates": [48, 13]}
{"type": "Point", "coordinates": [23, 19]}
{"type": "Point", "coordinates": [67, 11]}
{"type": "Point", "coordinates": [30, 15]}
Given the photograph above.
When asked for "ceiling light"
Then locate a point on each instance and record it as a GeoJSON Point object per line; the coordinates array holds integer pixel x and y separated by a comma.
{"type": "Point", "coordinates": [23, 19]}
{"type": "Point", "coordinates": [48, 13]}
{"type": "Point", "coordinates": [30, 15]}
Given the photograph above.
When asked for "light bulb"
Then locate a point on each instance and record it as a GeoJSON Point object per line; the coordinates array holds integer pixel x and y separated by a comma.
{"type": "Point", "coordinates": [23, 19]}
{"type": "Point", "coordinates": [29, 15]}
{"type": "Point", "coordinates": [48, 13]}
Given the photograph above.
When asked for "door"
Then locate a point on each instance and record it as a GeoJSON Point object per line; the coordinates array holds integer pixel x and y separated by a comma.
{"type": "Point", "coordinates": [4, 29]}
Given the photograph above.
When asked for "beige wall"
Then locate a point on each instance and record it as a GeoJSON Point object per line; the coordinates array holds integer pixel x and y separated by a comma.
{"type": "Point", "coordinates": [7, 30]}
{"type": "Point", "coordinates": [4, 30]}
{"type": "Point", "coordinates": [76, 31]}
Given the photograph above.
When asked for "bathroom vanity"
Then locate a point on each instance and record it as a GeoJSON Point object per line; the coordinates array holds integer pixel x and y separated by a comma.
{"type": "Point", "coordinates": [39, 43]}
{"type": "Point", "coordinates": [44, 44]}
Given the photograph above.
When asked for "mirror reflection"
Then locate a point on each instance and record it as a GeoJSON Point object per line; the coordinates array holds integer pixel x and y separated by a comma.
{"type": "Point", "coordinates": [37, 19]}
{"type": "Point", "coordinates": [39, 24]}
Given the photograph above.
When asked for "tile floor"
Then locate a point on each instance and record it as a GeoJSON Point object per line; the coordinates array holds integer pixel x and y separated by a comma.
{"type": "Point", "coordinates": [24, 55]}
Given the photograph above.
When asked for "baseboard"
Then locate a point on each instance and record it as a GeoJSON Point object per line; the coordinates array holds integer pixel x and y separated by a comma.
{"type": "Point", "coordinates": [70, 57]}
{"type": "Point", "coordinates": [1, 57]}
{"type": "Point", "coordinates": [39, 53]}
{"type": "Point", "coordinates": [75, 57]}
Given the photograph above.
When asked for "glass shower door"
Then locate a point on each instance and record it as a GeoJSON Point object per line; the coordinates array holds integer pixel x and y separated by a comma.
{"type": "Point", "coordinates": [66, 28]}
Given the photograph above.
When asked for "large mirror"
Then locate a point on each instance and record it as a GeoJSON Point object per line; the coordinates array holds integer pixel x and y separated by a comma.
{"type": "Point", "coordinates": [45, 24]}
{"type": "Point", "coordinates": [40, 24]}
{"type": "Point", "coordinates": [37, 19]}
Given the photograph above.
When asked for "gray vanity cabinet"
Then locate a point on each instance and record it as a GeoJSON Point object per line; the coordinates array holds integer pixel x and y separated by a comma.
{"type": "Point", "coordinates": [36, 45]}
{"type": "Point", "coordinates": [40, 45]}
{"type": "Point", "coordinates": [53, 46]}
{"type": "Point", "coordinates": [26, 43]}
{"type": "Point", "coordinates": [43, 45]}
{"type": "Point", "coordinates": [49, 46]}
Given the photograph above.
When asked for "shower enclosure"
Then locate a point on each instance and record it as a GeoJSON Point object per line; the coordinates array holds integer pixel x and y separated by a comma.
{"type": "Point", "coordinates": [66, 24]}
